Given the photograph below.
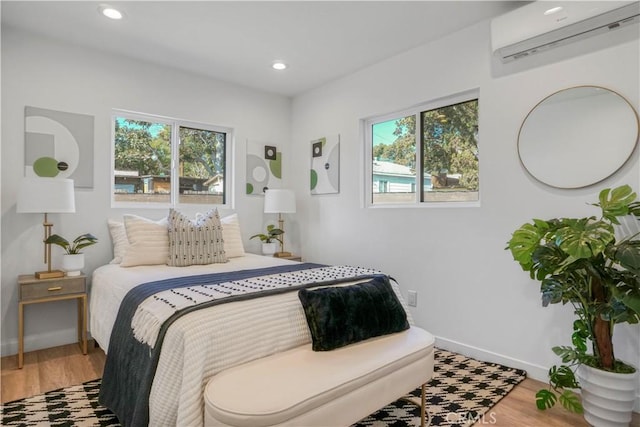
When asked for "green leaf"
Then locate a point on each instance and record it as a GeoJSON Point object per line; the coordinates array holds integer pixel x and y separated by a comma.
{"type": "Point", "coordinates": [562, 377]}
{"type": "Point", "coordinates": [603, 197]}
{"type": "Point", "coordinates": [522, 244]}
{"type": "Point", "coordinates": [571, 402]}
{"type": "Point", "coordinates": [627, 253]}
{"type": "Point", "coordinates": [634, 208]}
{"type": "Point", "coordinates": [633, 302]}
{"type": "Point", "coordinates": [584, 238]}
{"type": "Point", "coordinates": [579, 342]}
{"type": "Point", "coordinates": [552, 290]}
{"type": "Point", "coordinates": [81, 242]}
{"type": "Point", "coordinates": [56, 239]}
{"type": "Point", "coordinates": [567, 354]}
{"type": "Point", "coordinates": [547, 259]}
{"type": "Point", "coordinates": [581, 327]}
{"type": "Point", "coordinates": [541, 225]}
{"type": "Point", "coordinates": [545, 399]}
{"type": "Point", "coordinates": [88, 237]}
{"type": "Point", "coordinates": [616, 203]}
{"type": "Point", "coordinates": [580, 334]}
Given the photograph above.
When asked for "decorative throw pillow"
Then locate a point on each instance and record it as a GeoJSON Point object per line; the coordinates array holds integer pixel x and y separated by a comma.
{"type": "Point", "coordinates": [148, 241]}
{"type": "Point", "coordinates": [119, 239]}
{"type": "Point", "coordinates": [232, 236]}
{"type": "Point", "coordinates": [195, 242]}
{"type": "Point", "coordinates": [342, 315]}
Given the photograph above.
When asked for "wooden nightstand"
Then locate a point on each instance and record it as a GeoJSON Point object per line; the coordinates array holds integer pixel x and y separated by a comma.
{"type": "Point", "coordinates": [34, 291]}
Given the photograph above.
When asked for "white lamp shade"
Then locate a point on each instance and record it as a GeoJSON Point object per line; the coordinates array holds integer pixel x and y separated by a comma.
{"type": "Point", "coordinates": [279, 201]}
{"type": "Point", "coordinates": [46, 195]}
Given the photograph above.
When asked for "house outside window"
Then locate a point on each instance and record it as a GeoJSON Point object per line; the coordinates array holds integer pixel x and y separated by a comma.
{"type": "Point", "coordinates": [427, 155]}
{"type": "Point", "coordinates": [160, 162]}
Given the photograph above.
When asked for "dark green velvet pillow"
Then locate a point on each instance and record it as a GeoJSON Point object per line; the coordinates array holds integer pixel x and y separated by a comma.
{"type": "Point", "coordinates": [342, 315]}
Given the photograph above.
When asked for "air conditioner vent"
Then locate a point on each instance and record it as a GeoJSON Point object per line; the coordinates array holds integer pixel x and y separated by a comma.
{"type": "Point", "coordinates": [527, 30]}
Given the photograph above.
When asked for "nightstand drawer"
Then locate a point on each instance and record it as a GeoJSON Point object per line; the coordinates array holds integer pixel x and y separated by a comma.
{"type": "Point", "coordinates": [51, 288]}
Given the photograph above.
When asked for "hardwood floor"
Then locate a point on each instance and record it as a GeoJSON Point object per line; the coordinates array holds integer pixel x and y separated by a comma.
{"type": "Point", "coordinates": [49, 369]}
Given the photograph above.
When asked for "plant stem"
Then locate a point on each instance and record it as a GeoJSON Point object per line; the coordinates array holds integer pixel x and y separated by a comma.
{"type": "Point", "coordinates": [601, 327]}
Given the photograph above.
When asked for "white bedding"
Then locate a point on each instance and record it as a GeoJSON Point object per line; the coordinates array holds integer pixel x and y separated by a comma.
{"type": "Point", "coordinates": [111, 283]}
{"type": "Point", "coordinates": [204, 342]}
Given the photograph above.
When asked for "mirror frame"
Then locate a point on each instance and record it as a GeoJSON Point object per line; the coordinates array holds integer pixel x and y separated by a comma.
{"type": "Point", "coordinates": [596, 179]}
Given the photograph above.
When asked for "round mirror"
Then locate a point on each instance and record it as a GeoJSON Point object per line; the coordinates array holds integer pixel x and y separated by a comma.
{"type": "Point", "coordinates": [578, 137]}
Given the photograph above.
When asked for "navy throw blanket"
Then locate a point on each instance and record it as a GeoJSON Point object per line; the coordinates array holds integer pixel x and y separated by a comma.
{"type": "Point", "coordinates": [131, 365]}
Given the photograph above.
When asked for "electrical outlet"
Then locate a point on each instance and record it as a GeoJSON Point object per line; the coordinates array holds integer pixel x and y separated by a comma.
{"type": "Point", "coordinates": [413, 298]}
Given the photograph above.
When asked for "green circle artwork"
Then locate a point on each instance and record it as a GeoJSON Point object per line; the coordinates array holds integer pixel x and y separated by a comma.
{"type": "Point", "coordinates": [275, 166]}
{"type": "Point", "coordinates": [249, 188]}
{"type": "Point", "coordinates": [314, 179]}
{"type": "Point", "coordinates": [46, 167]}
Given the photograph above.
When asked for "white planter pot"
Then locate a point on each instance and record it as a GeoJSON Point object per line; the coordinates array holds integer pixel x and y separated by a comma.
{"type": "Point", "coordinates": [607, 397]}
{"type": "Point", "coordinates": [269, 248]}
{"type": "Point", "coordinates": [73, 264]}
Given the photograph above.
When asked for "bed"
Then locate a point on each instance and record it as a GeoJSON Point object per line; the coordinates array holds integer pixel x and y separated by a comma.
{"type": "Point", "coordinates": [204, 342]}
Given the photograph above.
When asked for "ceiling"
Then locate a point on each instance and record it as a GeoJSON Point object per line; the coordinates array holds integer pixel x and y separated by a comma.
{"type": "Point", "coordinates": [237, 41]}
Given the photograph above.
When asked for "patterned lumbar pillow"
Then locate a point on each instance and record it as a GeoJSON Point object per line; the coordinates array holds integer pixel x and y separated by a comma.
{"type": "Point", "coordinates": [196, 241]}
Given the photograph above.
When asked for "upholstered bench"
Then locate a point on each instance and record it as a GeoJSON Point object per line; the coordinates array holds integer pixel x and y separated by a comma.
{"type": "Point", "coordinates": [301, 387]}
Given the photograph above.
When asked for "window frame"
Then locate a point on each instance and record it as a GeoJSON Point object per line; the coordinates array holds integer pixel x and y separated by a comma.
{"type": "Point", "coordinates": [175, 161]}
{"type": "Point", "coordinates": [367, 152]}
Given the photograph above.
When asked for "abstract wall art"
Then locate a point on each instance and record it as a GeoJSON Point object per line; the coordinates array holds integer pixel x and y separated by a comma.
{"type": "Point", "coordinates": [59, 144]}
{"type": "Point", "coordinates": [264, 167]}
{"type": "Point", "coordinates": [325, 165]}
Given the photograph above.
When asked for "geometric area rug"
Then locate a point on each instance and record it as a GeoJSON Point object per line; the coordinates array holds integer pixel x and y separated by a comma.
{"type": "Point", "coordinates": [461, 391]}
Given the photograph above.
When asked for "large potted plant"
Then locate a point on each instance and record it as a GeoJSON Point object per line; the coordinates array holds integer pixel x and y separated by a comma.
{"type": "Point", "coordinates": [273, 235]}
{"type": "Point", "coordinates": [73, 259]}
{"type": "Point", "coordinates": [579, 261]}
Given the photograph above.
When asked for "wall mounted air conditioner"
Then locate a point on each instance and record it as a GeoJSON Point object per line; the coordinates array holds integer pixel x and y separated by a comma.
{"type": "Point", "coordinates": [542, 25]}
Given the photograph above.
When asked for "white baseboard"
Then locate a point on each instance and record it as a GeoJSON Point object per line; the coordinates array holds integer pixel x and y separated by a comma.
{"type": "Point", "coordinates": [40, 341]}
{"type": "Point", "coordinates": [536, 372]}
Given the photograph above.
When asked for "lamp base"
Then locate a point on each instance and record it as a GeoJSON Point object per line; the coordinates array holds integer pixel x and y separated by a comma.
{"type": "Point", "coordinates": [282, 254]}
{"type": "Point", "coordinates": [53, 274]}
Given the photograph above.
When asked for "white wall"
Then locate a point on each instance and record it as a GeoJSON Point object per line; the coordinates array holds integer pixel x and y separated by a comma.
{"type": "Point", "coordinates": [471, 294]}
{"type": "Point", "coordinates": [42, 73]}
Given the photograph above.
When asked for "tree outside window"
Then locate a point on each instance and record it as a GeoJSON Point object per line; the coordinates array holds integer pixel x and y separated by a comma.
{"type": "Point", "coordinates": [450, 150]}
{"type": "Point", "coordinates": [448, 161]}
{"type": "Point", "coordinates": [144, 154]}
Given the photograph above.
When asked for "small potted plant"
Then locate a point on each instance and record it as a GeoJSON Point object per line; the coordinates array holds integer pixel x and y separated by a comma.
{"type": "Point", "coordinates": [273, 235]}
{"type": "Point", "coordinates": [73, 260]}
{"type": "Point", "coordinates": [579, 261]}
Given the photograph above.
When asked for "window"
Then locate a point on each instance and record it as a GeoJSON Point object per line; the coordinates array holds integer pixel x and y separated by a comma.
{"type": "Point", "coordinates": [424, 155]}
{"type": "Point", "coordinates": [164, 162]}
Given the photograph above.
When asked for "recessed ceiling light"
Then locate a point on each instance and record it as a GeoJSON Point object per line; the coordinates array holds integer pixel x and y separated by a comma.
{"type": "Point", "coordinates": [552, 10]}
{"type": "Point", "coordinates": [110, 12]}
{"type": "Point", "coordinates": [279, 65]}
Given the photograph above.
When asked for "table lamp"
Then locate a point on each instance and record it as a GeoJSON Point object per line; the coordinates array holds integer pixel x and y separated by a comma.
{"type": "Point", "coordinates": [280, 201]}
{"type": "Point", "coordinates": [46, 195]}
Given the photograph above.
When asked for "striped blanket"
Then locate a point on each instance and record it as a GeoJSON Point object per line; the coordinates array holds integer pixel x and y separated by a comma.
{"type": "Point", "coordinates": [148, 310]}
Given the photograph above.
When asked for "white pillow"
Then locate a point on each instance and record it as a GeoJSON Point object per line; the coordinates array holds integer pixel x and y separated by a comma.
{"type": "Point", "coordinates": [148, 241]}
{"type": "Point", "coordinates": [232, 236]}
{"type": "Point", "coordinates": [119, 240]}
